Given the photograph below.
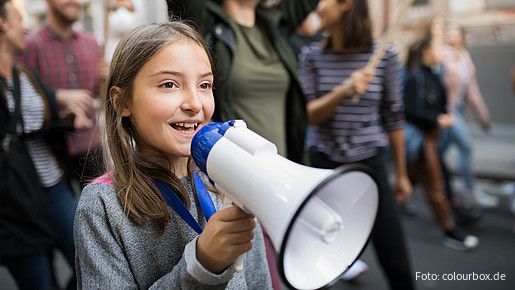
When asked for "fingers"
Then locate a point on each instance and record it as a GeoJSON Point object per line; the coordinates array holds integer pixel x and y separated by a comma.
{"type": "Point", "coordinates": [83, 100]}
{"type": "Point", "coordinates": [361, 79]}
{"type": "Point", "coordinates": [232, 213]}
{"type": "Point", "coordinates": [77, 99]}
{"type": "Point", "coordinates": [237, 239]}
{"type": "Point", "coordinates": [227, 235]}
{"type": "Point", "coordinates": [81, 121]}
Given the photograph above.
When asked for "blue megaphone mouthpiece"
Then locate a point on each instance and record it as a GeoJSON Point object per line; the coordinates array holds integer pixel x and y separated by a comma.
{"type": "Point", "coordinates": [205, 139]}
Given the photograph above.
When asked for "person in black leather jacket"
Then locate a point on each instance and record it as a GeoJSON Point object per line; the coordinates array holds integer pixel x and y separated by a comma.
{"type": "Point", "coordinates": [426, 109]}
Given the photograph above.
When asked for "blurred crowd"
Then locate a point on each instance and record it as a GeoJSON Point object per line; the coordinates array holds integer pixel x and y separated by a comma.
{"type": "Point", "coordinates": [297, 72]}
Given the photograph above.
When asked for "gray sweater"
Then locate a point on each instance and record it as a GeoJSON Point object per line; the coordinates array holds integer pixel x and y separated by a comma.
{"type": "Point", "coordinates": [112, 252]}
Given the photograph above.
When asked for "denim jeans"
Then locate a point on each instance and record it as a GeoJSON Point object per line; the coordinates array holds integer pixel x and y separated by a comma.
{"type": "Point", "coordinates": [459, 134]}
{"type": "Point", "coordinates": [61, 208]}
{"type": "Point", "coordinates": [30, 272]}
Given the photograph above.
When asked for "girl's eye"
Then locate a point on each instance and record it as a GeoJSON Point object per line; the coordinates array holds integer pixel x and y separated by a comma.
{"type": "Point", "coordinates": [205, 86]}
{"type": "Point", "coordinates": [168, 85]}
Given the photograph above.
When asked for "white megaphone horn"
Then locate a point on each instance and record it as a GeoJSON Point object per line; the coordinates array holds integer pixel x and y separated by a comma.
{"type": "Point", "coordinates": [319, 220]}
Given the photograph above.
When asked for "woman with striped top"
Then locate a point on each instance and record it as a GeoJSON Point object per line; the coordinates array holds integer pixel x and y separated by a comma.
{"type": "Point", "coordinates": [28, 224]}
{"type": "Point", "coordinates": [346, 130]}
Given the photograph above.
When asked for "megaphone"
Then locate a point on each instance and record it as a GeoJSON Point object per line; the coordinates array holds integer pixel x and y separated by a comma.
{"type": "Point", "coordinates": [319, 220]}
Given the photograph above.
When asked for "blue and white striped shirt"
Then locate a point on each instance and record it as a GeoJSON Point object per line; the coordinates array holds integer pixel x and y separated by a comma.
{"type": "Point", "coordinates": [33, 111]}
{"type": "Point", "coordinates": [357, 130]}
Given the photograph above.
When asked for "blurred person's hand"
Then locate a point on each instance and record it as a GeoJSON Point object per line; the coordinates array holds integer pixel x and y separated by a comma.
{"type": "Point", "coordinates": [310, 26]}
{"type": "Point", "coordinates": [361, 79]}
{"type": "Point", "coordinates": [357, 84]}
{"type": "Point", "coordinates": [486, 125]}
{"type": "Point", "coordinates": [402, 189]}
{"type": "Point", "coordinates": [445, 120]}
{"type": "Point", "coordinates": [75, 99]}
{"type": "Point", "coordinates": [127, 4]}
{"type": "Point", "coordinates": [77, 103]}
{"type": "Point", "coordinates": [81, 121]}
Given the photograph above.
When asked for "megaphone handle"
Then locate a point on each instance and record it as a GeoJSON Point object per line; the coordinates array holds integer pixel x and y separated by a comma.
{"type": "Point", "coordinates": [238, 263]}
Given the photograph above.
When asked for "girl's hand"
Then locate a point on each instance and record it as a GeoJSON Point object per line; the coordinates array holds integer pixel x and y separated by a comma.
{"type": "Point", "coordinates": [228, 235]}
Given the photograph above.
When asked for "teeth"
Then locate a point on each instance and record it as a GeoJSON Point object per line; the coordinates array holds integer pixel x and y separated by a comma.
{"type": "Point", "coordinates": [186, 125]}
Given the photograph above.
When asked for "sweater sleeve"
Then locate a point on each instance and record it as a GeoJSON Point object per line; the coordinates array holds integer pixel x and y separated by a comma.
{"type": "Point", "coordinates": [307, 73]}
{"type": "Point", "coordinates": [392, 106]}
{"type": "Point", "coordinates": [102, 261]}
{"type": "Point", "coordinates": [190, 274]}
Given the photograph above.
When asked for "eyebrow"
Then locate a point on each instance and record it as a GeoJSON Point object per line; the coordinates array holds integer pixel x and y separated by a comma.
{"type": "Point", "coordinates": [176, 73]}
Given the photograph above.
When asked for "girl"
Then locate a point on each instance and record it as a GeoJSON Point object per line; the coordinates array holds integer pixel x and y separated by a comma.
{"type": "Point", "coordinates": [157, 96]}
{"type": "Point", "coordinates": [255, 70]}
{"type": "Point", "coordinates": [347, 131]}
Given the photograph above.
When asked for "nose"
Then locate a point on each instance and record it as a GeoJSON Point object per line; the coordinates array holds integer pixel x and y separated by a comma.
{"type": "Point", "coordinates": [191, 103]}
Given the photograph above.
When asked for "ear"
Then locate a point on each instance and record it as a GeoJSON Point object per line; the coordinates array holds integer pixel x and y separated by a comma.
{"type": "Point", "coordinates": [116, 94]}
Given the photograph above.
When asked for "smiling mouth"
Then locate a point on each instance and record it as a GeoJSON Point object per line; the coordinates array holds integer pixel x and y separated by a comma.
{"type": "Point", "coordinates": [185, 126]}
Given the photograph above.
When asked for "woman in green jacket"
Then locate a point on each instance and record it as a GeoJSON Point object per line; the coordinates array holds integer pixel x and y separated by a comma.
{"type": "Point", "coordinates": [255, 77]}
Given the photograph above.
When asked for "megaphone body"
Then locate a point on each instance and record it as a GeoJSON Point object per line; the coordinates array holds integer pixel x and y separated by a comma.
{"type": "Point", "coordinates": [319, 220]}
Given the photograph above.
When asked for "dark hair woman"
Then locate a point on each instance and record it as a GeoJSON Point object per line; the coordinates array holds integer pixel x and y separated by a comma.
{"type": "Point", "coordinates": [346, 131]}
{"type": "Point", "coordinates": [426, 110]}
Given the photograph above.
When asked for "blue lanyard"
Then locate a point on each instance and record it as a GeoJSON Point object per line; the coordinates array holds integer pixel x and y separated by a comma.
{"type": "Point", "coordinates": [173, 201]}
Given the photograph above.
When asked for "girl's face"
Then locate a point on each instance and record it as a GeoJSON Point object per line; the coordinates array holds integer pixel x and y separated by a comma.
{"type": "Point", "coordinates": [331, 12]}
{"type": "Point", "coordinates": [172, 98]}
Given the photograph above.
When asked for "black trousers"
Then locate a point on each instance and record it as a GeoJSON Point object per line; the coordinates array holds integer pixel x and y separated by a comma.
{"type": "Point", "coordinates": [387, 235]}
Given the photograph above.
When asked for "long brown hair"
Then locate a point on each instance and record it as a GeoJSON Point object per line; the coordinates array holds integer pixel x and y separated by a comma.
{"type": "Point", "coordinates": [356, 27]}
{"type": "Point", "coordinates": [134, 167]}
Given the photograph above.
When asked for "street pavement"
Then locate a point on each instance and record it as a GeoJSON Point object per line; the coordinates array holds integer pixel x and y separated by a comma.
{"type": "Point", "coordinates": [494, 163]}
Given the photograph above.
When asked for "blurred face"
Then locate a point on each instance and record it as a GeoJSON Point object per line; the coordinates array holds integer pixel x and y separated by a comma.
{"type": "Point", "coordinates": [437, 28]}
{"type": "Point", "coordinates": [66, 11]}
{"type": "Point", "coordinates": [13, 28]}
{"type": "Point", "coordinates": [430, 56]}
{"type": "Point", "coordinates": [454, 36]}
{"type": "Point", "coordinates": [172, 98]}
{"type": "Point", "coordinates": [331, 12]}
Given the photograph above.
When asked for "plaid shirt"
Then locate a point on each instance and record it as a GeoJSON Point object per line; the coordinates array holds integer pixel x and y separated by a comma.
{"type": "Point", "coordinates": [67, 64]}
